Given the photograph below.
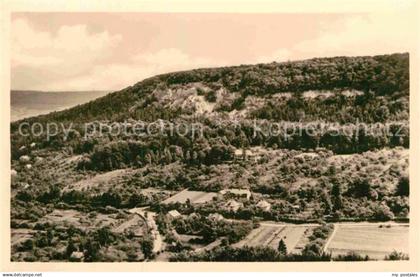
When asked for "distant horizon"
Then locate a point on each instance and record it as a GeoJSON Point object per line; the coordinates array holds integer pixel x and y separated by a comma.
{"type": "Point", "coordinates": [29, 103]}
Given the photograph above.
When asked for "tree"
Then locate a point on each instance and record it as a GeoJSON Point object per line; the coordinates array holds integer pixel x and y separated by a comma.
{"type": "Point", "coordinates": [351, 256]}
{"type": "Point", "coordinates": [147, 246]}
{"type": "Point", "coordinates": [132, 255]}
{"type": "Point", "coordinates": [52, 194]}
{"type": "Point", "coordinates": [360, 188]}
{"type": "Point", "coordinates": [396, 256]}
{"type": "Point", "coordinates": [336, 197]}
{"type": "Point", "coordinates": [282, 248]}
{"type": "Point", "coordinates": [24, 195]}
{"type": "Point", "coordinates": [326, 201]}
{"type": "Point", "coordinates": [382, 113]}
{"type": "Point", "coordinates": [383, 213]}
{"type": "Point", "coordinates": [104, 236]}
{"type": "Point", "coordinates": [70, 248]}
{"type": "Point", "coordinates": [92, 251]}
{"type": "Point", "coordinates": [313, 248]}
{"type": "Point", "coordinates": [403, 186]}
{"type": "Point", "coordinates": [27, 245]}
{"type": "Point", "coordinates": [109, 198]}
{"type": "Point", "coordinates": [135, 199]}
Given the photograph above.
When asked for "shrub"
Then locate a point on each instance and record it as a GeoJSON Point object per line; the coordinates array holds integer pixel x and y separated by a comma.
{"type": "Point", "coordinates": [395, 256]}
{"type": "Point", "coordinates": [351, 256]}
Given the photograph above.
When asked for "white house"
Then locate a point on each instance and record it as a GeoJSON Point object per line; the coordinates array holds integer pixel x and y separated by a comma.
{"type": "Point", "coordinates": [296, 207]}
{"type": "Point", "coordinates": [216, 217]}
{"type": "Point", "coordinates": [253, 154]}
{"type": "Point", "coordinates": [24, 159]}
{"type": "Point", "coordinates": [38, 160]}
{"type": "Point", "coordinates": [77, 256]}
{"type": "Point", "coordinates": [233, 205]}
{"type": "Point", "coordinates": [264, 205]}
{"type": "Point", "coordinates": [174, 214]}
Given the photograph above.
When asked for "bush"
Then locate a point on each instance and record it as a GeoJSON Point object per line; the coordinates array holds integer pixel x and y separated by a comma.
{"type": "Point", "coordinates": [27, 245]}
{"type": "Point", "coordinates": [351, 256]}
{"type": "Point", "coordinates": [396, 256]}
{"type": "Point", "coordinates": [211, 96]}
{"type": "Point", "coordinates": [30, 258]}
{"type": "Point", "coordinates": [403, 187]}
{"type": "Point", "coordinates": [382, 213]}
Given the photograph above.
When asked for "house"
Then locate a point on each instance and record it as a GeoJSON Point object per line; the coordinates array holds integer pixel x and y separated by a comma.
{"type": "Point", "coordinates": [24, 159]}
{"type": "Point", "coordinates": [264, 205]}
{"type": "Point", "coordinates": [296, 207]}
{"type": "Point", "coordinates": [13, 172]}
{"type": "Point", "coordinates": [239, 153]}
{"type": "Point", "coordinates": [28, 166]}
{"type": "Point", "coordinates": [173, 214]}
{"type": "Point", "coordinates": [236, 192]}
{"type": "Point", "coordinates": [253, 154]}
{"type": "Point", "coordinates": [215, 217]}
{"type": "Point", "coordinates": [76, 256]}
{"type": "Point", "coordinates": [233, 205]}
{"type": "Point", "coordinates": [38, 160]}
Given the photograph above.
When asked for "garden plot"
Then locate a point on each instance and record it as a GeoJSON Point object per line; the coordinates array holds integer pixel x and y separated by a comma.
{"type": "Point", "coordinates": [85, 221]}
{"type": "Point", "coordinates": [100, 181]}
{"type": "Point", "coordinates": [372, 240]}
{"type": "Point", "coordinates": [134, 223]}
{"type": "Point", "coordinates": [271, 234]}
{"type": "Point", "coordinates": [64, 217]}
{"type": "Point", "coordinates": [196, 197]}
{"type": "Point", "coordinates": [20, 235]}
{"type": "Point", "coordinates": [299, 239]}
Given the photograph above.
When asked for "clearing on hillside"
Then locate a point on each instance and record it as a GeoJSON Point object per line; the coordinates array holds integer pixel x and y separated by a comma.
{"type": "Point", "coordinates": [195, 197]}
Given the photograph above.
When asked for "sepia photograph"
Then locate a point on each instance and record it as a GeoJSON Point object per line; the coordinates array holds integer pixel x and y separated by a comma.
{"type": "Point", "coordinates": [207, 137]}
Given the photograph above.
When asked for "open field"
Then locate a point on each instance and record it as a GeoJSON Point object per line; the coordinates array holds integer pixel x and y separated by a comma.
{"type": "Point", "coordinates": [195, 197]}
{"type": "Point", "coordinates": [101, 181]}
{"type": "Point", "coordinates": [20, 235]}
{"type": "Point", "coordinates": [64, 217]}
{"type": "Point", "coordinates": [270, 235]}
{"type": "Point", "coordinates": [117, 222]}
{"type": "Point", "coordinates": [371, 240]}
{"type": "Point", "coordinates": [135, 224]}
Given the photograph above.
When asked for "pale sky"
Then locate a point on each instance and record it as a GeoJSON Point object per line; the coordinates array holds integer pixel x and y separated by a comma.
{"type": "Point", "coordinates": [110, 51]}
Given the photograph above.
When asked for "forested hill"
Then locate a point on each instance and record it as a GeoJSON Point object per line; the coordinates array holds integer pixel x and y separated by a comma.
{"type": "Point", "coordinates": [225, 89]}
{"type": "Point", "coordinates": [341, 90]}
